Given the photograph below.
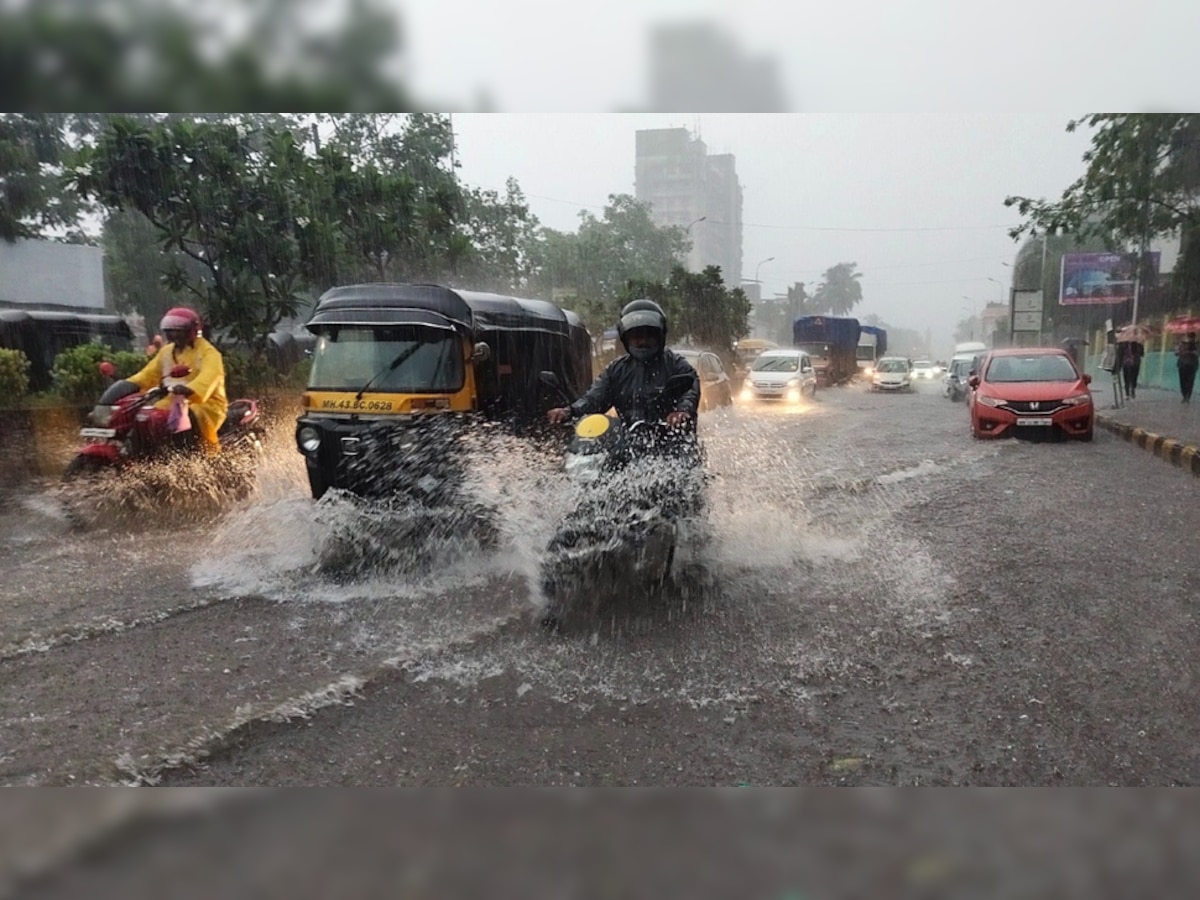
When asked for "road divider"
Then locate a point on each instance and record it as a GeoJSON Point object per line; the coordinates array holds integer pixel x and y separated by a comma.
{"type": "Point", "coordinates": [1178, 453]}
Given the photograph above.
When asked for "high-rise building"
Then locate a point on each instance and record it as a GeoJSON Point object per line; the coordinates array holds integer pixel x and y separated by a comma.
{"type": "Point", "coordinates": [687, 187]}
{"type": "Point", "coordinates": [701, 66]}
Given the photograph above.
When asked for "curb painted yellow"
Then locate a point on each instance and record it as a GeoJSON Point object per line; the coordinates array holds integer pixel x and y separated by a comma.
{"type": "Point", "coordinates": [1185, 456]}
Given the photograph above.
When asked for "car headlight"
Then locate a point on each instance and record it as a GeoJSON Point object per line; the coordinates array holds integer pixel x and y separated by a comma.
{"type": "Point", "coordinates": [309, 439]}
{"type": "Point", "coordinates": [869, 370]}
{"type": "Point", "coordinates": [1079, 400]}
{"type": "Point", "coordinates": [747, 394]}
{"type": "Point", "coordinates": [990, 401]}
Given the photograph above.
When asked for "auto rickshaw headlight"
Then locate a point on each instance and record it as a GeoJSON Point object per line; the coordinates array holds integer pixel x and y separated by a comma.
{"type": "Point", "coordinates": [309, 439]}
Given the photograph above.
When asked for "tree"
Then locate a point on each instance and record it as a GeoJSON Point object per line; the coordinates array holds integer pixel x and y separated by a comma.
{"type": "Point", "coordinates": [597, 262]}
{"type": "Point", "coordinates": [279, 54]}
{"type": "Point", "coordinates": [136, 267]}
{"type": "Point", "coordinates": [839, 291]}
{"type": "Point", "coordinates": [1142, 180]}
{"type": "Point", "coordinates": [220, 195]}
{"type": "Point", "coordinates": [33, 149]}
{"type": "Point", "coordinates": [701, 310]}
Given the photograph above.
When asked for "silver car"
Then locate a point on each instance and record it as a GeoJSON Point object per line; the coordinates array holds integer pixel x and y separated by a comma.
{"type": "Point", "coordinates": [892, 373]}
{"type": "Point", "coordinates": [786, 375]}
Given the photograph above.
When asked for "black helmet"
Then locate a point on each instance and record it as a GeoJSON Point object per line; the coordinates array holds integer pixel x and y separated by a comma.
{"type": "Point", "coordinates": [642, 314]}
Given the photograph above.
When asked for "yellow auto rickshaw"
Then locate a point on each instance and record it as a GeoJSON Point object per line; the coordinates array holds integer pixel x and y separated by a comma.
{"type": "Point", "coordinates": [390, 354]}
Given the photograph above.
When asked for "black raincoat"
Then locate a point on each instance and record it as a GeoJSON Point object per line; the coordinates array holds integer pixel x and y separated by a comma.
{"type": "Point", "coordinates": [635, 388]}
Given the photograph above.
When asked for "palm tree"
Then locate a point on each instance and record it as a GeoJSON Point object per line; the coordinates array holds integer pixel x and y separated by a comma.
{"type": "Point", "coordinates": [840, 291]}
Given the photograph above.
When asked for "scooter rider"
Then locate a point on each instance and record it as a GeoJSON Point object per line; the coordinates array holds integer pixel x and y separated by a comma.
{"type": "Point", "coordinates": [633, 384]}
{"type": "Point", "coordinates": [189, 365]}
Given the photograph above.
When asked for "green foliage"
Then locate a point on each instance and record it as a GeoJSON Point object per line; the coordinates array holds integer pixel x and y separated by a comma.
{"type": "Point", "coordinates": [14, 376]}
{"type": "Point", "coordinates": [136, 267]}
{"type": "Point", "coordinates": [220, 195]}
{"type": "Point", "coordinates": [284, 55]}
{"type": "Point", "coordinates": [246, 374]}
{"type": "Point", "coordinates": [127, 362]}
{"type": "Point", "coordinates": [32, 149]}
{"type": "Point", "coordinates": [76, 372]}
{"type": "Point", "coordinates": [840, 290]}
{"type": "Point", "coordinates": [700, 309]}
{"type": "Point", "coordinates": [595, 263]}
{"type": "Point", "coordinates": [1142, 181]}
{"type": "Point", "coordinates": [775, 317]}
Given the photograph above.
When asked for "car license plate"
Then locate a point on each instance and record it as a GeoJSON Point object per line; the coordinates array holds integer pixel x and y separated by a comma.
{"type": "Point", "coordinates": [1042, 420]}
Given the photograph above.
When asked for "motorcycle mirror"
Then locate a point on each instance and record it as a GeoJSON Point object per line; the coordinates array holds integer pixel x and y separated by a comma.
{"type": "Point", "coordinates": [481, 353]}
{"type": "Point", "coordinates": [550, 380]}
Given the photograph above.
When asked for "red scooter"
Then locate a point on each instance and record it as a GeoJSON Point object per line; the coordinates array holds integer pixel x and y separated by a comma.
{"type": "Point", "coordinates": [125, 427]}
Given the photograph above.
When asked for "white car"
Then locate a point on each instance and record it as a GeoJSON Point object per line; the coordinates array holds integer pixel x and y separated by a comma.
{"type": "Point", "coordinates": [892, 373]}
{"type": "Point", "coordinates": [923, 368]}
{"type": "Point", "coordinates": [786, 375]}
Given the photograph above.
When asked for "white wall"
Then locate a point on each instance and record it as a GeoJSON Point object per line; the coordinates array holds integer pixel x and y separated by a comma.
{"type": "Point", "coordinates": [45, 272]}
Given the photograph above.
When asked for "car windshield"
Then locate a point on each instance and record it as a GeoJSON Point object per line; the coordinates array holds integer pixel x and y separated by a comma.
{"type": "Point", "coordinates": [1041, 367]}
{"type": "Point", "coordinates": [349, 357]}
{"type": "Point", "coordinates": [777, 364]}
{"type": "Point", "coordinates": [892, 365]}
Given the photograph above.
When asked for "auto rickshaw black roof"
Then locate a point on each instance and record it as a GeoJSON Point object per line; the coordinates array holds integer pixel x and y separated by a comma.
{"type": "Point", "coordinates": [384, 303]}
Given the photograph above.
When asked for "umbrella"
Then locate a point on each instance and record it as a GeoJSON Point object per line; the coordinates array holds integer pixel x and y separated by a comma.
{"type": "Point", "coordinates": [1137, 333]}
{"type": "Point", "coordinates": [1182, 325]}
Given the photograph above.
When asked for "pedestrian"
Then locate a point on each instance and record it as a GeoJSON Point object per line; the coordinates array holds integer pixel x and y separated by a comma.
{"type": "Point", "coordinates": [1187, 359]}
{"type": "Point", "coordinates": [1131, 364]}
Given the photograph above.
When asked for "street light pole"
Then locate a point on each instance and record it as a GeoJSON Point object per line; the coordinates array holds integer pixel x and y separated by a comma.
{"type": "Point", "coordinates": [757, 268]}
{"type": "Point", "coordinates": [688, 232]}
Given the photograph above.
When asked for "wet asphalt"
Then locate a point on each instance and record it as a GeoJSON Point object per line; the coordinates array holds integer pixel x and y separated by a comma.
{"type": "Point", "coordinates": [885, 601]}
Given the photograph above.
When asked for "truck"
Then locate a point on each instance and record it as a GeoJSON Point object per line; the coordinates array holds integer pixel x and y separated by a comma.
{"type": "Point", "coordinates": [872, 346]}
{"type": "Point", "coordinates": [832, 344]}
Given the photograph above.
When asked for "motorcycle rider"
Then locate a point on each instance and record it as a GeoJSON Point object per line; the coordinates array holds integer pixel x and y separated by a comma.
{"type": "Point", "coordinates": [633, 383]}
{"type": "Point", "coordinates": [189, 365]}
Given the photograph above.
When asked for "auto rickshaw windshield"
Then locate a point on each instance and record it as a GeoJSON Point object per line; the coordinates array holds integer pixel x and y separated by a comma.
{"type": "Point", "coordinates": [389, 358]}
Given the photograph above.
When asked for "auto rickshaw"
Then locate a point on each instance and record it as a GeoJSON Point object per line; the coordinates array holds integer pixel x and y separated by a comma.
{"type": "Point", "coordinates": [392, 358]}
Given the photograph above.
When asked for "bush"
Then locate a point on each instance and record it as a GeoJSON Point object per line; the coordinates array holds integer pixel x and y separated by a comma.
{"type": "Point", "coordinates": [128, 362]}
{"type": "Point", "coordinates": [14, 377]}
{"type": "Point", "coordinates": [76, 372]}
{"type": "Point", "coordinates": [245, 375]}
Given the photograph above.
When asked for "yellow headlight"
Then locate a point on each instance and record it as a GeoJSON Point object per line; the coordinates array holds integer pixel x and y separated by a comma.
{"type": "Point", "coordinates": [593, 426]}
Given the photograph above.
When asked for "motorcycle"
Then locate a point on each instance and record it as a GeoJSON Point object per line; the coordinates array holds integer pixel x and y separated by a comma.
{"type": "Point", "coordinates": [641, 501]}
{"type": "Point", "coordinates": [126, 427]}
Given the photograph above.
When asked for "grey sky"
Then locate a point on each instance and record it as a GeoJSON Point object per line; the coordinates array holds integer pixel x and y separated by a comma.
{"type": "Point", "coordinates": [916, 201]}
{"type": "Point", "coordinates": [844, 56]}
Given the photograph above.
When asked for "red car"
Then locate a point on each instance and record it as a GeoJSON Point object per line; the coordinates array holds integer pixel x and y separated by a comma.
{"type": "Point", "coordinates": [1030, 390]}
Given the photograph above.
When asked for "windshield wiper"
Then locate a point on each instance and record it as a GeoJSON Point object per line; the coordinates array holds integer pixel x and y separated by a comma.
{"type": "Point", "coordinates": [396, 363]}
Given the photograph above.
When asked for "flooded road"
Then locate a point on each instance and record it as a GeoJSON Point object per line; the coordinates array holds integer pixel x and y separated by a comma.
{"type": "Point", "coordinates": [890, 603]}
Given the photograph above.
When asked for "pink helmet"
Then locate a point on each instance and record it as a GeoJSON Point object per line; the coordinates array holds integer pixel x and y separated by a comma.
{"type": "Point", "coordinates": [181, 319]}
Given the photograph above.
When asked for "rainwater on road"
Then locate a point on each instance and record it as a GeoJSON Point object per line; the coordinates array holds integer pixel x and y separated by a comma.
{"type": "Point", "coordinates": [889, 602]}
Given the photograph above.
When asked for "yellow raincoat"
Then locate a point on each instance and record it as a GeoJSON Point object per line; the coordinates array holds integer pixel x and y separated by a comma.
{"type": "Point", "coordinates": [206, 378]}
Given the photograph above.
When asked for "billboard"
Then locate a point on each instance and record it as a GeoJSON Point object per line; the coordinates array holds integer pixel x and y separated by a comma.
{"type": "Point", "coordinates": [1100, 278]}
